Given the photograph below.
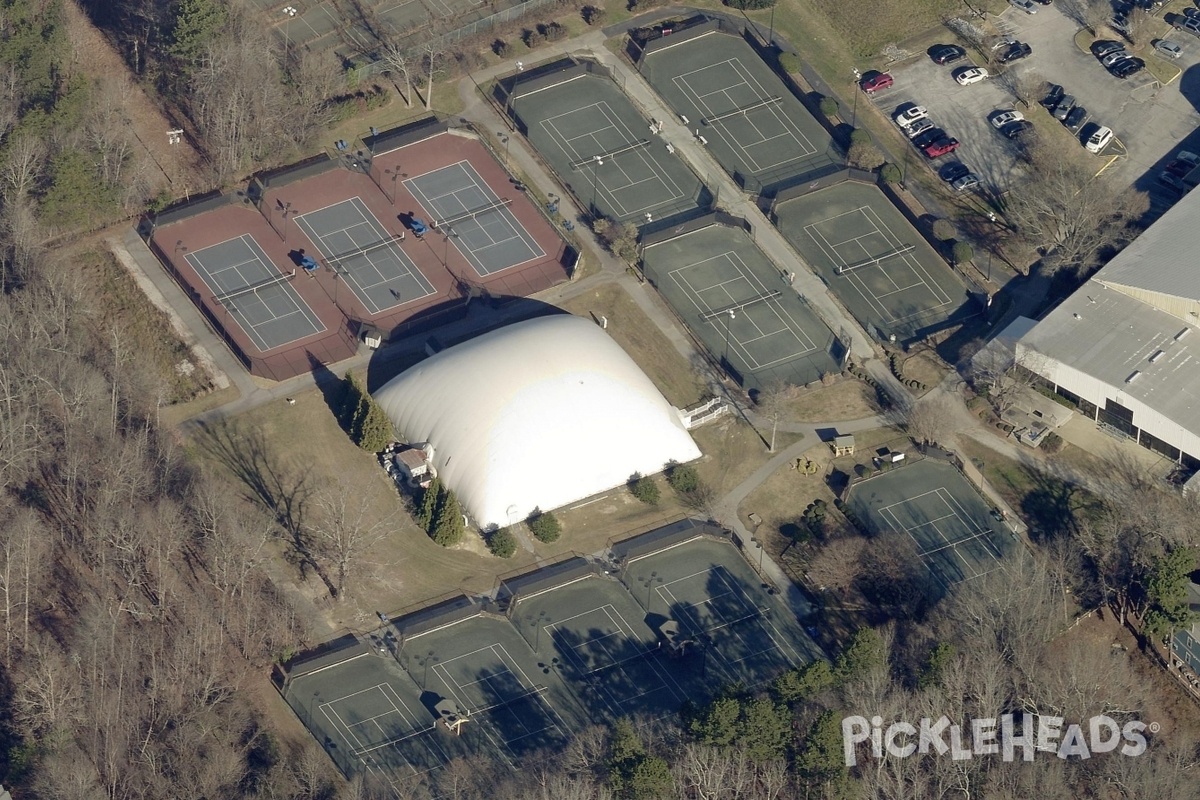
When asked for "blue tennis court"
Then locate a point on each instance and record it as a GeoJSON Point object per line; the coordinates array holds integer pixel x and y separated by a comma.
{"type": "Point", "coordinates": [479, 223]}
{"type": "Point", "coordinates": [250, 288]}
{"type": "Point", "coordinates": [356, 245]}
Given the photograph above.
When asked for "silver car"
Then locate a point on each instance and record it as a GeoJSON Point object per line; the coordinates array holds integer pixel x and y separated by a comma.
{"type": "Point", "coordinates": [1168, 48]}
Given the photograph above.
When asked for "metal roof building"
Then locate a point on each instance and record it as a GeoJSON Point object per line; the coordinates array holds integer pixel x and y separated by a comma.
{"type": "Point", "coordinates": [1125, 345]}
{"type": "Point", "coordinates": [535, 415]}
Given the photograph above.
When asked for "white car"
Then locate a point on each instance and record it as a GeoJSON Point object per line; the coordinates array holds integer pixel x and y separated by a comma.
{"type": "Point", "coordinates": [968, 181]}
{"type": "Point", "coordinates": [910, 115]}
{"type": "Point", "coordinates": [971, 75]}
{"type": "Point", "coordinates": [1112, 58]}
{"type": "Point", "coordinates": [1003, 118]}
{"type": "Point", "coordinates": [1099, 139]}
{"type": "Point", "coordinates": [1025, 5]}
{"type": "Point", "coordinates": [919, 127]}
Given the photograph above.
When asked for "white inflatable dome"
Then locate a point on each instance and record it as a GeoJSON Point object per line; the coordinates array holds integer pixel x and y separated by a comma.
{"type": "Point", "coordinates": [535, 415]}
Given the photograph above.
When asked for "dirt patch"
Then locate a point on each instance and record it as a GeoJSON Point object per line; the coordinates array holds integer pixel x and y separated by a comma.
{"type": "Point", "coordinates": [642, 340]}
{"type": "Point", "coordinates": [845, 399]}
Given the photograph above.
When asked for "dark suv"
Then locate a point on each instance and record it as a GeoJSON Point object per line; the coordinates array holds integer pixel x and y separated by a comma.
{"type": "Point", "coordinates": [1075, 119]}
{"type": "Point", "coordinates": [1015, 53]}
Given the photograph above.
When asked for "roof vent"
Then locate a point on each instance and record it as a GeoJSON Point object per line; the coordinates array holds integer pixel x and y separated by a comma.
{"type": "Point", "coordinates": [1182, 333]}
{"type": "Point", "coordinates": [1133, 376]}
{"type": "Point", "coordinates": [1076, 316]}
{"type": "Point", "coordinates": [1157, 355]}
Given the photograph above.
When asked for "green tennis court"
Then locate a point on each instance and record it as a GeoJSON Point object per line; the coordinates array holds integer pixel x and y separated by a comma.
{"type": "Point", "coordinates": [754, 125]}
{"type": "Point", "coordinates": [603, 148]}
{"type": "Point", "coordinates": [877, 264]}
{"type": "Point", "coordinates": [740, 305]}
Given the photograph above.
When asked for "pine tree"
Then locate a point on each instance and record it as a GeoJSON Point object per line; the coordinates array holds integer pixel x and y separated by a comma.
{"type": "Point", "coordinates": [376, 432]}
{"type": "Point", "coordinates": [197, 22]}
{"type": "Point", "coordinates": [349, 402]}
{"type": "Point", "coordinates": [429, 505]}
{"type": "Point", "coordinates": [449, 529]}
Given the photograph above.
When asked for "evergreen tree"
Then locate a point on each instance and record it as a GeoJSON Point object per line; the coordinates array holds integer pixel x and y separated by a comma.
{"type": "Point", "coordinates": [449, 529]}
{"type": "Point", "coordinates": [349, 402]}
{"type": "Point", "coordinates": [804, 683]}
{"type": "Point", "coordinates": [197, 22]}
{"type": "Point", "coordinates": [1167, 591]}
{"type": "Point", "coordinates": [717, 725]}
{"type": "Point", "coordinates": [376, 432]}
{"type": "Point", "coordinates": [864, 653]}
{"type": "Point", "coordinates": [763, 729]}
{"type": "Point", "coordinates": [429, 505]}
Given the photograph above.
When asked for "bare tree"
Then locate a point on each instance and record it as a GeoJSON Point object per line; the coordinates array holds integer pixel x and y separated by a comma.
{"type": "Point", "coordinates": [1069, 213]}
{"type": "Point", "coordinates": [433, 67]}
{"type": "Point", "coordinates": [996, 371]}
{"type": "Point", "coordinates": [1138, 21]}
{"type": "Point", "coordinates": [930, 420]}
{"type": "Point", "coordinates": [344, 528]}
{"type": "Point", "coordinates": [398, 63]}
{"type": "Point", "coordinates": [773, 403]}
{"type": "Point", "coordinates": [836, 564]}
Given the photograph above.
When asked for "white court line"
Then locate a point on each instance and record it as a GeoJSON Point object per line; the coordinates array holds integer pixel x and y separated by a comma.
{"type": "Point", "coordinates": [782, 315]}
{"type": "Point", "coordinates": [651, 167]}
{"type": "Point", "coordinates": [747, 79]}
{"type": "Point", "coordinates": [923, 278]}
{"type": "Point", "coordinates": [964, 520]}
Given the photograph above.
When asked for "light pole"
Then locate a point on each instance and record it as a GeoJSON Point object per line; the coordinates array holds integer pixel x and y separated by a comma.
{"type": "Point", "coordinates": [425, 661]}
{"type": "Point", "coordinates": [728, 324]}
{"type": "Point", "coordinates": [371, 146]}
{"type": "Point", "coordinates": [537, 622]}
{"type": "Point", "coordinates": [772, 36]}
{"type": "Point", "coordinates": [649, 218]}
{"type": "Point", "coordinates": [649, 584]}
{"type": "Point", "coordinates": [504, 138]}
{"type": "Point", "coordinates": [289, 12]}
{"type": "Point", "coordinates": [396, 175]}
{"type": "Point", "coordinates": [761, 549]}
{"type": "Point", "coordinates": [598, 162]}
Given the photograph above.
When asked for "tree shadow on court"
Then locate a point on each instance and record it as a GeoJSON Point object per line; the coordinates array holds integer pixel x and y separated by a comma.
{"type": "Point", "coordinates": [280, 488]}
{"type": "Point", "coordinates": [521, 719]}
{"type": "Point", "coordinates": [1055, 506]}
{"type": "Point", "coordinates": [897, 582]}
{"type": "Point", "coordinates": [615, 675]}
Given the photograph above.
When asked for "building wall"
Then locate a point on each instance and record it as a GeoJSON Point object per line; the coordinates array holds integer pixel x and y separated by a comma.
{"type": "Point", "coordinates": [1098, 392]}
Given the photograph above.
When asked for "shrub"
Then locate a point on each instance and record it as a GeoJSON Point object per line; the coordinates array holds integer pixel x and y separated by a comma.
{"type": "Point", "coordinates": [532, 39]}
{"type": "Point", "coordinates": [502, 543]}
{"type": "Point", "coordinates": [552, 31]}
{"type": "Point", "coordinates": [829, 106]}
{"type": "Point", "coordinates": [890, 173]}
{"type": "Point", "coordinates": [683, 478]}
{"type": "Point", "coordinates": [859, 136]}
{"type": "Point", "coordinates": [749, 5]}
{"type": "Point", "coordinates": [545, 526]}
{"type": "Point", "coordinates": [865, 155]}
{"type": "Point", "coordinates": [501, 48]}
{"type": "Point", "coordinates": [427, 513]}
{"type": "Point", "coordinates": [943, 229]}
{"type": "Point", "coordinates": [1053, 443]}
{"type": "Point", "coordinates": [645, 489]}
{"type": "Point", "coordinates": [592, 15]}
{"type": "Point", "coordinates": [962, 252]}
{"type": "Point", "coordinates": [790, 62]}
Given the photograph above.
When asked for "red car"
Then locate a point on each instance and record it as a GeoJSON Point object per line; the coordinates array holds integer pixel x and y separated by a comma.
{"type": "Point", "coordinates": [940, 148]}
{"type": "Point", "coordinates": [873, 82]}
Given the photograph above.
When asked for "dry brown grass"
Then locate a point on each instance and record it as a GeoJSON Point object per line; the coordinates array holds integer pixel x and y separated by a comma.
{"type": "Point", "coordinates": [642, 340]}
{"type": "Point", "coordinates": [732, 452]}
{"type": "Point", "coordinates": [783, 497]}
{"type": "Point", "coordinates": [926, 368]}
{"type": "Point", "coordinates": [846, 399]}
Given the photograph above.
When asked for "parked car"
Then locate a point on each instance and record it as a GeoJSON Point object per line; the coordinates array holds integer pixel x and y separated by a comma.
{"type": "Point", "coordinates": [1075, 119]}
{"type": "Point", "coordinates": [919, 127]}
{"type": "Point", "coordinates": [968, 181]}
{"type": "Point", "coordinates": [1053, 95]}
{"type": "Point", "coordinates": [941, 147]}
{"type": "Point", "coordinates": [1003, 43]}
{"type": "Point", "coordinates": [1128, 67]}
{"type": "Point", "coordinates": [1172, 182]}
{"type": "Point", "coordinates": [928, 137]}
{"type": "Point", "coordinates": [1183, 163]}
{"type": "Point", "coordinates": [953, 171]}
{"type": "Point", "coordinates": [1099, 139]}
{"type": "Point", "coordinates": [1103, 47]}
{"type": "Point", "coordinates": [1025, 5]}
{"type": "Point", "coordinates": [971, 75]}
{"type": "Point", "coordinates": [909, 114]}
{"type": "Point", "coordinates": [1167, 48]}
{"type": "Point", "coordinates": [946, 53]}
{"type": "Point", "coordinates": [1188, 25]}
{"type": "Point", "coordinates": [1015, 53]}
{"type": "Point", "coordinates": [1014, 130]}
{"type": "Point", "coordinates": [1065, 104]}
{"type": "Point", "coordinates": [1120, 24]}
{"type": "Point", "coordinates": [1001, 118]}
{"type": "Point", "coordinates": [875, 81]}
{"type": "Point", "coordinates": [1112, 58]}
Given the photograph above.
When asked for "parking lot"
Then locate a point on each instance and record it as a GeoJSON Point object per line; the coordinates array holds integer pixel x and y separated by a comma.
{"type": "Point", "coordinates": [1150, 121]}
{"type": "Point", "coordinates": [961, 111]}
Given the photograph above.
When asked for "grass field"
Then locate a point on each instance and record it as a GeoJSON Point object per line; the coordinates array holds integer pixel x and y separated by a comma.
{"type": "Point", "coordinates": [845, 399]}
{"type": "Point", "coordinates": [645, 343]}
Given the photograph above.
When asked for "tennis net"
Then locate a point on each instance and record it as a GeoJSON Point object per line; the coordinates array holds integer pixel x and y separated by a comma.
{"type": "Point", "coordinates": [762, 298]}
{"type": "Point", "coordinates": [599, 157]}
{"type": "Point", "coordinates": [254, 287]}
{"type": "Point", "coordinates": [334, 261]}
{"type": "Point", "coordinates": [450, 221]}
{"type": "Point", "coordinates": [875, 260]}
{"type": "Point", "coordinates": [535, 691]}
{"type": "Point", "coordinates": [766, 101]}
